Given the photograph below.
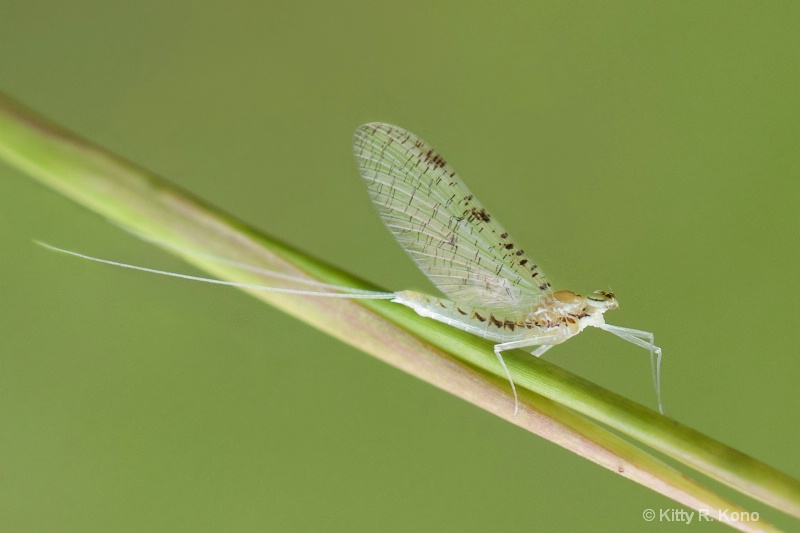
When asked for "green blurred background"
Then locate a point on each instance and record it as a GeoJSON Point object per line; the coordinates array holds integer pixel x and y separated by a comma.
{"type": "Point", "coordinates": [650, 147]}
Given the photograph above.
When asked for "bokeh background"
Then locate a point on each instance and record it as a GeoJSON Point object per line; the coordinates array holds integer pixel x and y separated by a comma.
{"type": "Point", "coordinates": [649, 147]}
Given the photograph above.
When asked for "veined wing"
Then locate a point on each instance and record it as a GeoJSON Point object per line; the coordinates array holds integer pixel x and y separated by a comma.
{"type": "Point", "coordinates": [462, 248]}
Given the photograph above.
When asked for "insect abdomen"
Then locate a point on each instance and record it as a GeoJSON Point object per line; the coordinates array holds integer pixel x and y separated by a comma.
{"type": "Point", "coordinates": [472, 320]}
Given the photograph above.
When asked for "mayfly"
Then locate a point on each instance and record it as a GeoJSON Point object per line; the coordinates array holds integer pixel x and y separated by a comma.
{"type": "Point", "coordinates": [493, 288]}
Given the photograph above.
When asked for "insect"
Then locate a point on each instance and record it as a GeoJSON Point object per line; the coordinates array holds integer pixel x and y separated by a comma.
{"type": "Point", "coordinates": [494, 289]}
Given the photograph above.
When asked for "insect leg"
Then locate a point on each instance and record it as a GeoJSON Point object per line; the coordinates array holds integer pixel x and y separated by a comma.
{"type": "Point", "coordinates": [538, 352]}
{"type": "Point", "coordinates": [645, 340]}
{"type": "Point", "coordinates": [545, 343]}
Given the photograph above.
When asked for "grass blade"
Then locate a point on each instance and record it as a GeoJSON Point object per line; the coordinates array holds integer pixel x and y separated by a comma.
{"type": "Point", "coordinates": [457, 362]}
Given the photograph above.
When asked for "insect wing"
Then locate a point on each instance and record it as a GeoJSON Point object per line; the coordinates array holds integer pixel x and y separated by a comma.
{"type": "Point", "coordinates": [459, 245]}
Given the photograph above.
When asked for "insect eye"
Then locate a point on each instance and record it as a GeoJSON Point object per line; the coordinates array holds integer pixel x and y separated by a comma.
{"type": "Point", "coordinates": [601, 299]}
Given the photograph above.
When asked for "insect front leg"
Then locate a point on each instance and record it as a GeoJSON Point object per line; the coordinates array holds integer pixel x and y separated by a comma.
{"type": "Point", "coordinates": [645, 340]}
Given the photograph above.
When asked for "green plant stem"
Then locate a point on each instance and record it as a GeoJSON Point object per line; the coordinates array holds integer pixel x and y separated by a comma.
{"type": "Point", "coordinates": [138, 200]}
